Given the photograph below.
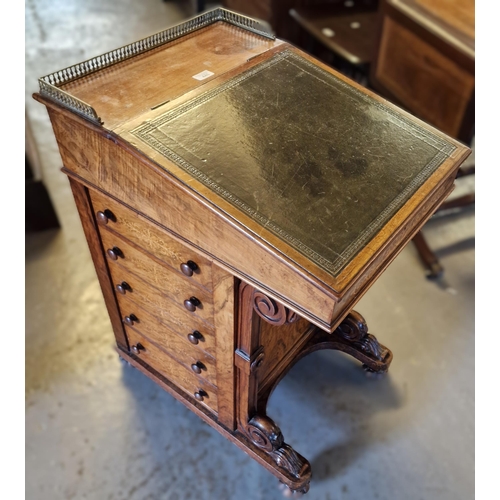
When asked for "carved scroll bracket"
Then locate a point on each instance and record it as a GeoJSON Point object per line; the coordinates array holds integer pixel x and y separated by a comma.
{"type": "Point", "coordinates": [271, 311]}
{"type": "Point", "coordinates": [355, 330]}
{"type": "Point", "coordinates": [266, 435]}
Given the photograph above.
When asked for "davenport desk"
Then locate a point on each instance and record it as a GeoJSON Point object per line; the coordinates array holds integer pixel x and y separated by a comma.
{"type": "Point", "coordinates": [239, 198]}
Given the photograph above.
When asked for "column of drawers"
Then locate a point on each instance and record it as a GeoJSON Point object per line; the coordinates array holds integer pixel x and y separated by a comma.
{"type": "Point", "coordinates": [164, 293]}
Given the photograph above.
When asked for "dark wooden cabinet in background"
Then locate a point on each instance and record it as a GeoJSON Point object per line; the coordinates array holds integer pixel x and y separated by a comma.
{"type": "Point", "coordinates": [425, 61]}
{"type": "Point", "coordinates": [239, 198]}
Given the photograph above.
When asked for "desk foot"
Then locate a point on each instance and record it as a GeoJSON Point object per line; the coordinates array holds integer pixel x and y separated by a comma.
{"type": "Point", "coordinates": [266, 435]}
{"type": "Point", "coordinates": [354, 339]}
{"type": "Point", "coordinates": [289, 493]}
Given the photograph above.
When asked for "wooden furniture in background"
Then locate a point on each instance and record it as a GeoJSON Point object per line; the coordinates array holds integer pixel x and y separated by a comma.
{"type": "Point", "coordinates": [425, 62]}
{"type": "Point", "coordinates": [341, 34]}
{"type": "Point", "coordinates": [276, 12]}
{"type": "Point", "coordinates": [239, 197]}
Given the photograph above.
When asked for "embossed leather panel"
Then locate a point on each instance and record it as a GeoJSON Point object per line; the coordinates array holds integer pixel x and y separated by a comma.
{"type": "Point", "coordinates": [312, 159]}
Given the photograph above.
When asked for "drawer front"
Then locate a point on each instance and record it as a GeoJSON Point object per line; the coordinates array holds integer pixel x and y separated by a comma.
{"type": "Point", "coordinates": [172, 370]}
{"type": "Point", "coordinates": [195, 360]}
{"type": "Point", "coordinates": [161, 332]}
{"type": "Point", "coordinates": [151, 237]}
{"type": "Point", "coordinates": [156, 304]}
{"type": "Point", "coordinates": [166, 281]}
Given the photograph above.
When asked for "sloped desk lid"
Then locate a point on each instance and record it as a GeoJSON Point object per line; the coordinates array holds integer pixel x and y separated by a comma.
{"type": "Point", "coordinates": [305, 155]}
{"type": "Point", "coordinates": [316, 169]}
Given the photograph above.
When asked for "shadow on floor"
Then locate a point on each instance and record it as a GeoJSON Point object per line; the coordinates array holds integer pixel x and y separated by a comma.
{"type": "Point", "coordinates": [325, 399]}
{"type": "Point", "coordinates": [335, 390]}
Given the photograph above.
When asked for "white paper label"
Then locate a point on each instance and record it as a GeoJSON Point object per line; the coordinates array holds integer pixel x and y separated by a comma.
{"type": "Point", "coordinates": [203, 75]}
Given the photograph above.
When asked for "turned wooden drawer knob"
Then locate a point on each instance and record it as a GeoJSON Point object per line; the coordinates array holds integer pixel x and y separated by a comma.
{"type": "Point", "coordinates": [200, 395]}
{"type": "Point", "coordinates": [191, 304]}
{"type": "Point", "coordinates": [195, 337]}
{"type": "Point", "coordinates": [137, 348]}
{"type": "Point", "coordinates": [105, 216]}
{"type": "Point", "coordinates": [197, 367]}
{"type": "Point", "coordinates": [189, 267]}
{"type": "Point", "coordinates": [130, 320]}
{"type": "Point", "coordinates": [114, 253]}
{"type": "Point", "coordinates": [123, 288]}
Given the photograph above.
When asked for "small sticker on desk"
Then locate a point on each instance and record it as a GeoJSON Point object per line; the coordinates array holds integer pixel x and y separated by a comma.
{"type": "Point", "coordinates": [203, 75]}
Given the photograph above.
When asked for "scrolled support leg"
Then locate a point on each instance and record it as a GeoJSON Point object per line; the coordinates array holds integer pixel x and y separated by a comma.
{"type": "Point", "coordinates": [356, 341]}
{"type": "Point", "coordinates": [266, 435]}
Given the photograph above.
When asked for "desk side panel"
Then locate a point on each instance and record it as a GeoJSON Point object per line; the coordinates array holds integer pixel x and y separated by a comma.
{"type": "Point", "coordinates": [89, 224]}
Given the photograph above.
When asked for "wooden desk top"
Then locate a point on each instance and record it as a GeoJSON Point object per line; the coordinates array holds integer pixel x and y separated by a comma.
{"type": "Point", "coordinates": [327, 177]}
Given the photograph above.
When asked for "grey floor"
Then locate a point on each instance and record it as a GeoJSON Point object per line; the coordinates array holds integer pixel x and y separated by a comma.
{"type": "Point", "coordinates": [97, 430]}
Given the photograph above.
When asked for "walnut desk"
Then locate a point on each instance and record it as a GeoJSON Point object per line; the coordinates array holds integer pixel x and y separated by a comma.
{"type": "Point", "coordinates": [238, 198]}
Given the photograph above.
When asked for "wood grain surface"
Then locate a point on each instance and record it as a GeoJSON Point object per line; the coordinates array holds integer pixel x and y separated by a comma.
{"type": "Point", "coordinates": [174, 371]}
{"type": "Point", "coordinates": [167, 311]}
{"type": "Point", "coordinates": [268, 269]}
{"type": "Point", "coordinates": [152, 238]}
{"type": "Point", "coordinates": [175, 345]}
{"type": "Point", "coordinates": [165, 280]}
{"type": "Point", "coordinates": [152, 326]}
{"type": "Point", "coordinates": [119, 92]}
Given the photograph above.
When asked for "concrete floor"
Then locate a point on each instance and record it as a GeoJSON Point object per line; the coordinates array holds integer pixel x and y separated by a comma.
{"type": "Point", "coordinates": [98, 430]}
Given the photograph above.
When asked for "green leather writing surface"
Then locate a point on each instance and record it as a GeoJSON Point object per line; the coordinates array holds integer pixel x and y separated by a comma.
{"type": "Point", "coordinates": [307, 156]}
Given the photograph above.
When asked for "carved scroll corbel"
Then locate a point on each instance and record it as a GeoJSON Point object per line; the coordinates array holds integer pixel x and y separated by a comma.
{"type": "Point", "coordinates": [266, 435]}
{"type": "Point", "coordinates": [271, 311]}
{"type": "Point", "coordinates": [355, 340]}
{"type": "Point", "coordinates": [355, 330]}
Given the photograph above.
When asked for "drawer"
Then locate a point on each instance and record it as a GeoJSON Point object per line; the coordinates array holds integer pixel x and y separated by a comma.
{"type": "Point", "coordinates": [195, 360]}
{"type": "Point", "coordinates": [161, 332]}
{"type": "Point", "coordinates": [148, 298]}
{"type": "Point", "coordinates": [172, 370]}
{"type": "Point", "coordinates": [151, 237]}
{"type": "Point", "coordinates": [164, 279]}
